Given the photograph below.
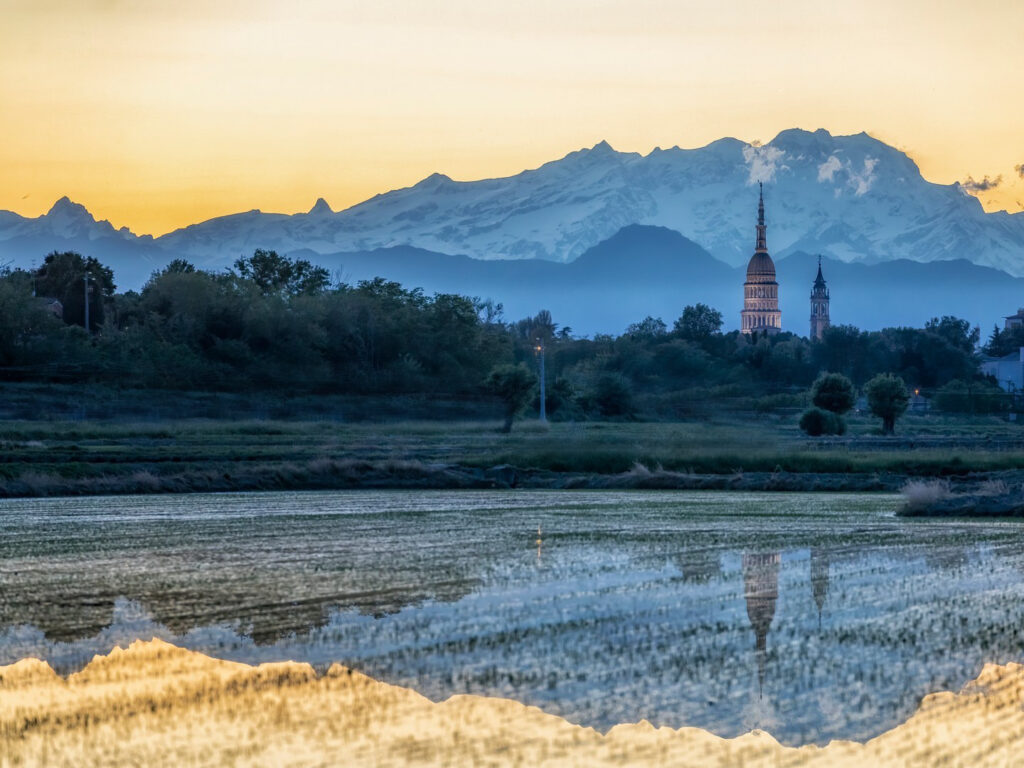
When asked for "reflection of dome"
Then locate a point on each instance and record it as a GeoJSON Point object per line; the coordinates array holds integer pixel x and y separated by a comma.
{"type": "Point", "coordinates": [761, 269]}
{"type": "Point", "coordinates": [761, 590]}
{"type": "Point", "coordinates": [819, 579]}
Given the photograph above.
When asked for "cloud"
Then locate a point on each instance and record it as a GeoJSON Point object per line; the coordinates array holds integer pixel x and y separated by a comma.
{"type": "Point", "coordinates": [981, 186]}
{"type": "Point", "coordinates": [861, 181]}
{"type": "Point", "coordinates": [1019, 169]}
{"type": "Point", "coordinates": [828, 169]}
{"type": "Point", "coordinates": [763, 162]}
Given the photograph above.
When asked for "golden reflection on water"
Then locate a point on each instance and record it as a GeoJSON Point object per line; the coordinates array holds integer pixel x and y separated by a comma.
{"type": "Point", "coordinates": [156, 704]}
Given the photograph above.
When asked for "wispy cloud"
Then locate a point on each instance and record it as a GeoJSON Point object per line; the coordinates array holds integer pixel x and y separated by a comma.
{"type": "Point", "coordinates": [859, 180]}
{"type": "Point", "coordinates": [862, 180]}
{"type": "Point", "coordinates": [763, 162]}
{"type": "Point", "coordinates": [982, 185]}
{"type": "Point", "coordinates": [828, 169]}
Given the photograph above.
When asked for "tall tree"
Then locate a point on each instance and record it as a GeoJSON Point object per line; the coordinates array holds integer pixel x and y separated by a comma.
{"type": "Point", "coordinates": [888, 399]}
{"type": "Point", "coordinates": [62, 276]}
{"type": "Point", "coordinates": [698, 322]}
{"type": "Point", "coordinates": [514, 385]}
{"type": "Point", "coordinates": [273, 273]}
{"type": "Point", "coordinates": [833, 392]}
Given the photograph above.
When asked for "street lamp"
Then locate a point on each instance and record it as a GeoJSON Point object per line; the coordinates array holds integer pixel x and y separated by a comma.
{"type": "Point", "coordinates": [539, 350]}
{"type": "Point", "coordinates": [85, 280]}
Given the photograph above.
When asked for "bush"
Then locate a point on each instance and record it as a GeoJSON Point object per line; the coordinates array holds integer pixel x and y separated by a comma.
{"type": "Point", "coordinates": [833, 392]}
{"type": "Point", "coordinates": [920, 494]}
{"type": "Point", "coordinates": [817, 421]}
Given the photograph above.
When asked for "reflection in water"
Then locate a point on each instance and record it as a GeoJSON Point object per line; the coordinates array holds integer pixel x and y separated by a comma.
{"type": "Point", "coordinates": [819, 578]}
{"type": "Point", "coordinates": [761, 590]}
{"type": "Point", "coordinates": [643, 608]}
{"type": "Point", "coordinates": [158, 705]}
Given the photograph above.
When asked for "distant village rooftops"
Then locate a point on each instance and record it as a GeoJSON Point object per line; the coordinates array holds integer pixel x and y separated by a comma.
{"type": "Point", "coordinates": [1015, 321]}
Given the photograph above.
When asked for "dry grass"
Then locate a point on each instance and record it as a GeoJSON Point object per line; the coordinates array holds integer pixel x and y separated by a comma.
{"type": "Point", "coordinates": [922, 494]}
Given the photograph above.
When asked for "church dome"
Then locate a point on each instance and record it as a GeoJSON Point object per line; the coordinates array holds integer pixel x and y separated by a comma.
{"type": "Point", "coordinates": [761, 268]}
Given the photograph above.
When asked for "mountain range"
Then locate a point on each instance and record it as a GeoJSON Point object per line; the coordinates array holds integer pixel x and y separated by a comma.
{"type": "Point", "coordinates": [599, 225]}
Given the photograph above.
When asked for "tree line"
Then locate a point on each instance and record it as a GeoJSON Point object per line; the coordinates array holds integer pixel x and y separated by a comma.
{"type": "Point", "coordinates": [279, 324]}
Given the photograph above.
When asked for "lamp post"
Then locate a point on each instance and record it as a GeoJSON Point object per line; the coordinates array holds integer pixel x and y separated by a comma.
{"type": "Point", "coordinates": [85, 280]}
{"type": "Point", "coordinates": [539, 349]}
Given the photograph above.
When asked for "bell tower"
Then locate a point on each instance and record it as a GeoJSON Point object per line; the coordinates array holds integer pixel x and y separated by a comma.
{"type": "Point", "coordinates": [819, 305]}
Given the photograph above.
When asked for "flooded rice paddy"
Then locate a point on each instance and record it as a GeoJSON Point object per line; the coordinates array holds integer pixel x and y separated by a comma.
{"type": "Point", "coordinates": [812, 616]}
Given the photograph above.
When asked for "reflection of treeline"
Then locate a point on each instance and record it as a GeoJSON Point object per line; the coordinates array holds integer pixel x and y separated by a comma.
{"type": "Point", "coordinates": [276, 324]}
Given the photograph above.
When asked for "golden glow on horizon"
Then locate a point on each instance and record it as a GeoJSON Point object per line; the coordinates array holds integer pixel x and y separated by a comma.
{"type": "Point", "coordinates": [159, 115]}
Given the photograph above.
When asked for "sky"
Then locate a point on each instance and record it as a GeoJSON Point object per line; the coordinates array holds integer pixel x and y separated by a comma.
{"type": "Point", "coordinates": [156, 115]}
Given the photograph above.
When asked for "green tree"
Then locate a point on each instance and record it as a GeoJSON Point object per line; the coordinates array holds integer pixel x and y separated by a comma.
{"type": "Point", "coordinates": [888, 399]}
{"type": "Point", "coordinates": [956, 331]}
{"type": "Point", "coordinates": [513, 385]}
{"type": "Point", "coordinates": [648, 329]}
{"type": "Point", "coordinates": [275, 274]}
{"type": "Point", "coordinates": [698, 322]}
{"type": "Point", "coordinates": [175, 267]}
{"type": "Point", "coordinates": [25, 322]}
{"type": "Point", "coordinates": [611, 396]}
{"type": "Point", "coordinates": [833, 392]}
{"type": "Point", "coordinates": [62, 277]}
{"type": "Point", "coordinates": [975, 396]}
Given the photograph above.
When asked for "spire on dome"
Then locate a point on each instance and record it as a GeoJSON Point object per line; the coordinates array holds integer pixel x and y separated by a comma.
{"type": "Point", "coordinates": [762, 240]}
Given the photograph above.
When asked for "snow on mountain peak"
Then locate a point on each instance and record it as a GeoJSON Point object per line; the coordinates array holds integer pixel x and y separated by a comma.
{"type": "Point", "coordinates": [850, 197]}
{"type": "Point", "coordinates": [66, 207]}
{"type": "Point", "coordinates": [320, 208]}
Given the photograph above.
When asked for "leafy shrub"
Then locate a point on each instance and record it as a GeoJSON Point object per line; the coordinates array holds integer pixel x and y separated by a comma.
{"type": "Point", "coordinates": [817, 421]}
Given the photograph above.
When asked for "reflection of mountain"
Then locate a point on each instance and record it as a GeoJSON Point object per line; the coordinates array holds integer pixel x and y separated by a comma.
{"type": "Point", "coordinates": [266, 598]}
{"type": "Point", "coordinates": [761, 590]}
{"type": "Point", "coordinates": [265, 613]}
{"type": "Point", "coordinates": [819, 578]}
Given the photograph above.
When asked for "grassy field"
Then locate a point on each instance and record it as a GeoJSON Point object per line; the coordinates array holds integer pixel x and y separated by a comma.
{"type": "Point", "coordinates": [53, 457]}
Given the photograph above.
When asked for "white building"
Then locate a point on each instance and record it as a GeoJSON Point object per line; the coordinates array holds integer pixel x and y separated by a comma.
{"type": "Point", "coordinates": [1008, 371]}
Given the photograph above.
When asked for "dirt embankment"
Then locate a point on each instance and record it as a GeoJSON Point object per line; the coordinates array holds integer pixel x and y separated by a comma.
{"type": "Point", "coordinates": [345, 474]}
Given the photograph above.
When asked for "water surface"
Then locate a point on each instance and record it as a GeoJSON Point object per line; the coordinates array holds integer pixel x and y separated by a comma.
{"type": "Point", "coordinates": [814, 616]}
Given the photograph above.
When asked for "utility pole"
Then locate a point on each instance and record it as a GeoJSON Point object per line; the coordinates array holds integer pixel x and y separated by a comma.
{"type": "Point", "coordinates": [85, 280]}
{"type": "Point", "coordinates": [543, 389]}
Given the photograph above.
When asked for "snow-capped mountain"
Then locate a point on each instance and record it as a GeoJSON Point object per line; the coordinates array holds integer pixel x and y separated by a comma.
{"type": "Point", "coordinates": [850, 197]}
{"type": "Point", "coordinates": [65, 220]}
{"type": "Point", "coordinates": [68, 226]}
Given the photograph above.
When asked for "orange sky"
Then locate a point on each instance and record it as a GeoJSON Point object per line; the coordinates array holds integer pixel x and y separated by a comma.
{"type": "Point", "coordinates": [156, 115]}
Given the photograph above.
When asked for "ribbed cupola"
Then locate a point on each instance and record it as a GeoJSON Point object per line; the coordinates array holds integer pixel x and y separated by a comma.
{"type": "Point", "coordinates": [761, 291]}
